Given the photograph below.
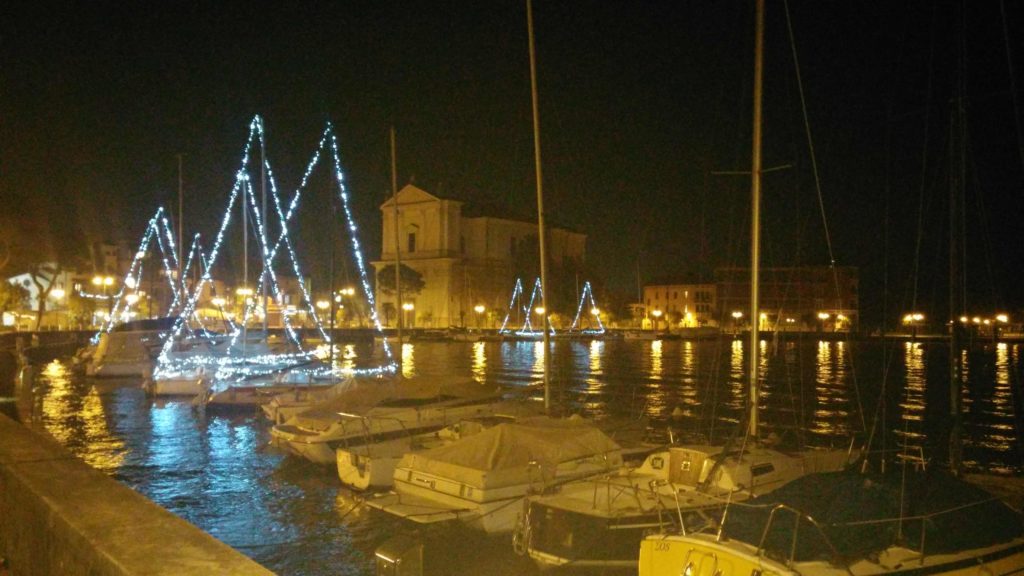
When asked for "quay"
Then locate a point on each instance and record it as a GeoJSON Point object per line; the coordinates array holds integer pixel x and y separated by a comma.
{"type": "Point", "coordinates": [60, 516]}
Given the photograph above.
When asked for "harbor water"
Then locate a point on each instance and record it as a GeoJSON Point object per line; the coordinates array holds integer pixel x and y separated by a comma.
{"type": "Point", "coordinates": [218, 472]}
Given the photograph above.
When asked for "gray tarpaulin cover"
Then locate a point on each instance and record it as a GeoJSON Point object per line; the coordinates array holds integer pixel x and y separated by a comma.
{"type": "Point", "coordinates": [516, 453]}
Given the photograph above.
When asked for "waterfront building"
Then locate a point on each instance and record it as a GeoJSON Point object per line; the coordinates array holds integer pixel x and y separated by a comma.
{"type": "Point", "coordinates": [467, 263]}
{"type": "Point", "coordinates": [681, 303]}
{"type": "Point", "coordinates": [800, 298]}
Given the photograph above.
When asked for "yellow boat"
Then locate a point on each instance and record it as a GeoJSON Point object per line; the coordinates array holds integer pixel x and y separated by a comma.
{"type": "Point", "coordinates": [850, 524]}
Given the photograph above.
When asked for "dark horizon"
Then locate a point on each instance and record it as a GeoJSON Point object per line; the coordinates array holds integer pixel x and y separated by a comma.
{"type": "Point", "coordinates": [640, 107]}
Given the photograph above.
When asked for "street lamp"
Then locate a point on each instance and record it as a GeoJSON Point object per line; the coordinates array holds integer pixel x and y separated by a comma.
{"type": "Point", "coordinates": [323, 304]}
{"type": "Point", "coordinates": [479, 309]}
{"type": "Point", "coordinates": [408, 307]}
{"type": "Point", "coordinates": [657, 316]}
{"type": "Point", "coordinates": [736, 315]}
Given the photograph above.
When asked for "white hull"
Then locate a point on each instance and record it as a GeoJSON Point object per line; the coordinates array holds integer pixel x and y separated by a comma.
{"type": "Point", "coordinates": [191, 386]}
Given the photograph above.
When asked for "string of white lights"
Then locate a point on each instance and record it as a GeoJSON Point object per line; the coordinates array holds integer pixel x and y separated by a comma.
{"type": "Point", "coordinates": [587, 291]}
{"type": "Point", "coordinates": [516, 293]}
{"type": "Point", "coordinates": [250, 366]}
{"type": "Point", "coordinates": [357, 251]}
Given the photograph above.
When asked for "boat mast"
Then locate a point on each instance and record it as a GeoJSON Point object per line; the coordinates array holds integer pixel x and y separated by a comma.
{"type": "Point", "coordinates": [755, 217]}
{"type": "Point", "coordinates": [245, 261]}
{"type": "Point", "coordinates": [399, 311]}
{"type": "Point", "coordinates": [540, 208]}
{"type": "Point", "coordinates": [263, 216]}
{"type": "Point", "coordinates": [181, 233]}
{"type": "Point", "coordinates": [957, 173]}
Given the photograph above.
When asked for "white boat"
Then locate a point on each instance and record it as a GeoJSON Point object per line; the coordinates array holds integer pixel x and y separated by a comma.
{"type": "Point", "coordinates": [600, 521]}
{"type": "Point", "coordinates": [372, 465]}
{"type": "Point", "coordinates": [640, 335]}
{"type": "Point", "coordinates": [283, 406]}
{"type": "Point", "coordinates": [482, 479]}
{"type": "Point", "coordinates": [185, 383]}
{"type": "Point", "coordinates": [126, 350]}
{"type": "Point", "coordinates": [383, 409]}
{"type": "Point", "coordinates": [850, 523]}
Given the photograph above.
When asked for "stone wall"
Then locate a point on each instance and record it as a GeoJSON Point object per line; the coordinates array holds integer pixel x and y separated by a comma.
{"type": "Point", "coordinates": [59, 516]}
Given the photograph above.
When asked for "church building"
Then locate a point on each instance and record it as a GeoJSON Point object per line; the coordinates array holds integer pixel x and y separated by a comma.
{"type": "Point", "coordinates": [467, 263]}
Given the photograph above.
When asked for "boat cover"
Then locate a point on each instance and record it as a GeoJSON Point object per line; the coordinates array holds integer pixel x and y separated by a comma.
{"type": "Point", "coordinates": [860, 515]}
{"type": "Point", "coordinates": [361, 395]}
{"type": "Point", "coordinates": [515, 453]}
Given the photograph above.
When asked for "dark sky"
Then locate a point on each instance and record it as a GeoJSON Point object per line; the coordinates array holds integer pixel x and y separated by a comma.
{"type": "Point", "coordinates": [640, 103]}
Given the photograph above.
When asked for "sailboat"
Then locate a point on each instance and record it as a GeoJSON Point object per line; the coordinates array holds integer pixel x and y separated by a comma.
{"type": "Point", "coordinates": [599, 521]}
{"type": "Point", "coordinates": [922, 521]}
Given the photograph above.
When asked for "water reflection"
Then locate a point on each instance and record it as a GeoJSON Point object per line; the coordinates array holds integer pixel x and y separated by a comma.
{"type": "Point", "coordinates": [480, 360]}
{"type": "Point", "coordinates": [408, 359]}
{"type": "Point", "coordinates": [910, 436]}
{"type": "Point", "coordinates": [831, 394]}
{"type": "Point", "coordinates": [218, 473]}
{"type": "Point", "coordinates": [689, 399]}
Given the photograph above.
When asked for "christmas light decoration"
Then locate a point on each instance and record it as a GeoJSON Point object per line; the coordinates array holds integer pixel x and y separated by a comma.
{"type": "Point", "coordinates": [229, 366]}
{"type": "Point", "coordinates": [588, 292]}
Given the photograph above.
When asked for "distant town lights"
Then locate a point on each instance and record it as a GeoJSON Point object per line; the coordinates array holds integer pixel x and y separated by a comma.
{"type": "Point", "coordinates": [479, 308]}
{"type": "Point", "coordinates": [824, 315]}
{"type": "Point", "coordinates": [57, 293]}
{"type": "Point", "coordinates": [736, 314]}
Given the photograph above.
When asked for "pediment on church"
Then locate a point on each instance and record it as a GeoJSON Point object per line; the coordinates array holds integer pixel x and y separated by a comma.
{"type": "Point", "coordinates": [410, 194]}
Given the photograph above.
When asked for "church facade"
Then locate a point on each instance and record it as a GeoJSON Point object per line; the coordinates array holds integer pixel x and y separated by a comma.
{"type": "Point", "coordinates": [467, 263]}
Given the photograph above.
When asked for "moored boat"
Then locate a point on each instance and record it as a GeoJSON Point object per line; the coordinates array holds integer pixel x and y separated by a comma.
{"type": "Point", "coordinates": [384, 410]}
{"type": "Point", "coordinates": [600, 521]}
{"type": "Point", "coordinates": [482, 479]}
{"type": "Point", "coordinates": [831, 524]}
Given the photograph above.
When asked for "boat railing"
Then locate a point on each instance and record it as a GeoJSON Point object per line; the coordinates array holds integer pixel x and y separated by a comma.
{"type": "Point", "coordinates": [798, 516]}
{"type": "Point", "coordinates": [924, 519]}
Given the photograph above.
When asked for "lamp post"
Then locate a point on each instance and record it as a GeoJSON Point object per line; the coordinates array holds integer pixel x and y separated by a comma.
{"type": "Point", "coordinates": [823, 317]}
{"type": "Point", "coordinates": [479, 309]}
{"type": "Point", "coordinates": [540, 310]}
{"type": "Point", "coordinates": [736, 315]}
{"type": "Point", "coordinates": [657, 317]}
{"type": "Point", "coordinates": [408, 307]}
{"type": "Point", "coordinates": [58, 295]}
{"type": "Point", "coordinates": [105, 282]}
{"type": "Point", "coordinates": [596, 313]}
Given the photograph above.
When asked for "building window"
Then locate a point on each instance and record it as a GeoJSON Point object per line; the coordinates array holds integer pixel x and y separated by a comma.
{"type": "Point", "coordinates": [675, 295]}
{"type": "Point", "coordinates": [411, 242]}
{"type": "Point", "coordinates": [462, 244]}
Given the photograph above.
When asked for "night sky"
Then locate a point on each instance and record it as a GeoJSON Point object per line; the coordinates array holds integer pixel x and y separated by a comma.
{"type": "Point", "coordinates": [640, 103]}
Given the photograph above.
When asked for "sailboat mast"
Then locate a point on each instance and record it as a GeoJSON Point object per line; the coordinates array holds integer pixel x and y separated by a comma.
{"type": "Point", "coordinates": [540, 208]}
{"type": "Point", "coordinates": [263, 216]}
{"type": "Point", "coordinates": [399, 311]}
{"type": "Point", "coordinates": [958, 179]}
{"type": "Point", "coordinates": [755, 218]}
{"type": "Point", "coordinates": [181, 233]}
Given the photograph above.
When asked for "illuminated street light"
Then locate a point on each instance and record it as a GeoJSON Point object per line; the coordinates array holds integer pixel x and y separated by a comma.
{"type": "Point", "coordinates": [323, 304]}
{"type": "Point", "coordinates": [1002, 318]}
{"type": "Point", "coordinates": [407, 306]}
{"type": "Point", "coordinates": [244, 291]}
{"type": "Point", "coordinates": [539, 310]}
{"type": "Point", "coordinates": [57, 293]}
{"type": "Point", "coordinates": [131, 299]}
{"type": "Point", "coordinates": [823, 315]}
{"type": "Point", "coordinates": [219, 302]}
{"type": "Point", "coordinates": [108, 281]}
{"type": "Point", "coordinates": [595, 311]}
{"type": "Point", "coordinates": [736, 314]}
{"type": "Point", "coordinates": [656, 313]}
{"type": "Point", "coordinates": [479, 308]}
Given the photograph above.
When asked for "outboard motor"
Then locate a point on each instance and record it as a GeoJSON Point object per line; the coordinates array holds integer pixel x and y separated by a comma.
{"type": "Point", "coordinates": [400, 556]}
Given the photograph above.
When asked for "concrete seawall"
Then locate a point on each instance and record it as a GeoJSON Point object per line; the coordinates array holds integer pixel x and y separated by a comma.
{"type": "Point", "coordinates": [59, 516]}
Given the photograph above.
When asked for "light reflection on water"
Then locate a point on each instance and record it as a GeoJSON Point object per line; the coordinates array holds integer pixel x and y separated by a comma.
{"type": "Point", "coordinates": [294, 518]}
